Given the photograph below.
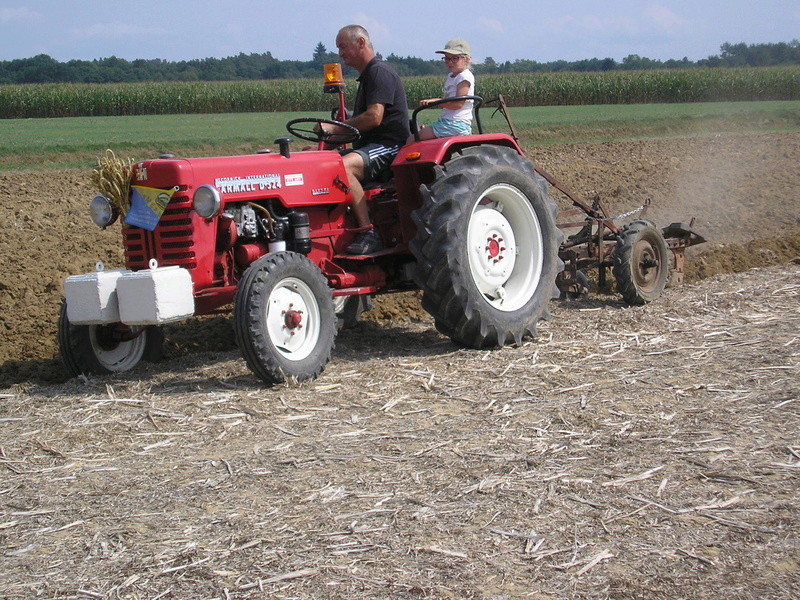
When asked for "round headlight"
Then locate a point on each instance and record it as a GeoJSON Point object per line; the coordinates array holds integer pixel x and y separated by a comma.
{"type": "Point", "coordinates": [102, 211]}
{"type": "Point", "coordinates": [206, 201]}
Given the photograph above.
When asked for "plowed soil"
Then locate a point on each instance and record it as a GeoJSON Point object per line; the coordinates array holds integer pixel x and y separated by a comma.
{"type": "Point", "coordinates": [626, 452]}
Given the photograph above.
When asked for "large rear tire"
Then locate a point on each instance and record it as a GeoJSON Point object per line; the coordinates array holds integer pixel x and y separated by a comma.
{"type": "Point", "coordinates": [283, 318]}
{"type": "Point", "coordinates": [104, 349]}
{"type": "Point", "coordinates": [486, 248]}
{"type": "Point", "coordinates": [641, 262]}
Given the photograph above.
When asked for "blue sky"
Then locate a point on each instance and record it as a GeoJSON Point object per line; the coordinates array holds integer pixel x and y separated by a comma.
{"type": "Point", "coordinates": [519, 29]}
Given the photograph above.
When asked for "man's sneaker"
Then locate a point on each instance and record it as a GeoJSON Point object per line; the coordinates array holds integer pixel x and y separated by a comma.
{"type": "Point", "coordinates": [366, 242]}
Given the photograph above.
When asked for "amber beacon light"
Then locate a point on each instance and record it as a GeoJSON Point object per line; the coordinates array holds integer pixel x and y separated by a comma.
{"type": "Point", "coordinates": [334, 81]}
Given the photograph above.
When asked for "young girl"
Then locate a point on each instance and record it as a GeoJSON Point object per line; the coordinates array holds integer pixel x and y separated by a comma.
{"type": "Point", "coordinates": [456, 117]}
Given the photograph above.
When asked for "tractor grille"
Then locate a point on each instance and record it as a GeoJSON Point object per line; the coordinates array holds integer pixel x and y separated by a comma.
{"type": "Point", "coordinates": [172, 242]}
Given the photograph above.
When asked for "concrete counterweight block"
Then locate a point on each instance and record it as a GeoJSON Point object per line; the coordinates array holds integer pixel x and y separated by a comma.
{"type": "Point", "coordinates": [92, 297]}
{"type": "Point", "coordinates": [155, 296]}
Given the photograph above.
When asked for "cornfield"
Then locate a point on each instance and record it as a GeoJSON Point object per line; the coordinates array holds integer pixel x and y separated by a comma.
{"type": "Point", "coordinates": [541, 89]}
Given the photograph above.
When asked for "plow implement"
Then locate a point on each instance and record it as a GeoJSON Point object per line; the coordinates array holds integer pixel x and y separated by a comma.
{"type": "Point", "coordinates": [643, 258]}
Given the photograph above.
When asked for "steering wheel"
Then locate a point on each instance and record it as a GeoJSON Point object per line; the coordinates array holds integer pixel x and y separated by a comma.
{"type": "Point", "coordinates": [317, 134]}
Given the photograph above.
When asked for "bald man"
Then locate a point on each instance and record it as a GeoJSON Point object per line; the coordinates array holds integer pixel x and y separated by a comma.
{"type": "Point", "coordinates": [380, 114]}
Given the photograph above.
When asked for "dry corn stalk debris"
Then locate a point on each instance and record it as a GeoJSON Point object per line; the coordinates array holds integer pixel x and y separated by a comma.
{"type": "Point", "coordinates": [429, 474]}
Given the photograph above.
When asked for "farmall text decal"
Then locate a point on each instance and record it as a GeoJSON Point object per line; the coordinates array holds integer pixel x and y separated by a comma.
{"type": "Point", "coordinates": [251, 183]}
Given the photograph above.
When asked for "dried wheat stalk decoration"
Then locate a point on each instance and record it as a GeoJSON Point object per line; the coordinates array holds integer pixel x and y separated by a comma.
{"type": "Point", "coordinates": [112, 178]}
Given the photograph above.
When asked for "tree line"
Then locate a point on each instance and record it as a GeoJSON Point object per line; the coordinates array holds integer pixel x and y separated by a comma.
{"type": "Point", "coordinates": [45, 69]}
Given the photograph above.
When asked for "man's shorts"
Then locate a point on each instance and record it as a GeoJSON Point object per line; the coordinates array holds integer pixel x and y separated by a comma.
{"type": "Point", "coordinates": [377, 159]}
{"type": "Point", "coordinates": [450, 127]}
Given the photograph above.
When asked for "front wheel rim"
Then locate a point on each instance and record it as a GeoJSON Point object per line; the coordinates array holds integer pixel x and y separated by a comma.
{"type": "Point", "coordinates": [293, 319]}
{"type": "Point", "coordinates": [115, 355]}
{"type": "Point", "coordinates": [505, 248]}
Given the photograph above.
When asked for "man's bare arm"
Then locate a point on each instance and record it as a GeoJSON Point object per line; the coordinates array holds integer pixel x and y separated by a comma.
{"type": "Point", "coordinates": [369, 119]}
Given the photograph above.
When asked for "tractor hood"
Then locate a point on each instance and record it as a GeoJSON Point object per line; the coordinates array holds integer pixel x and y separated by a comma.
{"type": "Point", "coordinates": [301, 179]}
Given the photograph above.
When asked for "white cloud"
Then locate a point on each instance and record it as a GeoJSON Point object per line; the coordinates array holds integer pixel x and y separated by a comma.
{"type": "Point", "coordinates": [378, 32]}
{"type": "Point", "coordinates": [608, 26]}
{"type": "Point", "coordinates": [606, 33]}
{"type": "Point", "coordinates": [491, 25]}
{"type": "Point", "coordinates": [558, 24]}
{"type": "Point", "coordinates": [663, 18]}
{"type": "Point", "coordinates": [17, 15]}
{"type": "Point", "coordinates": [590, 25]}
{"type": "Point", "coordinates": [117, 30]}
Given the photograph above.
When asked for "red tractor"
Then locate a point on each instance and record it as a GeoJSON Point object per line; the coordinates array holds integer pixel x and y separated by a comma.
{"type": "Point", "coordinates": [465, 219]}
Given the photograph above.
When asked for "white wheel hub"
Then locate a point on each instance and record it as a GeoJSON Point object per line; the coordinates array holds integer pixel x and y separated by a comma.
{"type": "Point", "coordinates": [293, 318]}
{"type": "Point", "coordinates": [492, 247]}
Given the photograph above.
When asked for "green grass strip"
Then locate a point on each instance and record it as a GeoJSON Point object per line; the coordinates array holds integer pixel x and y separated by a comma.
{"type": "Point", "coordinates": [78, 141]}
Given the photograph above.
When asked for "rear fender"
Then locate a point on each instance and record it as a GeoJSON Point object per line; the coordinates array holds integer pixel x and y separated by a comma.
{"type": "Point", "coordinates": [439, 150]}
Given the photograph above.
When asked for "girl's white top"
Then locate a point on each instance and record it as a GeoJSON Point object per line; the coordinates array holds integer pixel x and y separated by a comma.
{"type": "Point", "coordinates": [450, 86]}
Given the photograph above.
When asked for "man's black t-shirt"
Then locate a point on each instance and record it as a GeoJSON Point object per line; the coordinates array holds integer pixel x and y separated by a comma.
{"type": "Point", "coordinates": [379, 84]}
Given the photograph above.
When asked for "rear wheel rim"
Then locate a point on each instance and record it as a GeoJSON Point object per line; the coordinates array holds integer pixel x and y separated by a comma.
{"type": "Point", "coordinates": [505, 248]}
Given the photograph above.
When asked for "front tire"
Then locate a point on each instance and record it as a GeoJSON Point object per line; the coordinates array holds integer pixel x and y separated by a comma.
{"type": "Point", "coordinates": [104, 349]}
{"type": "Point", "coordinates": [641, 262]}
{"type": "Point", "coordinates": [486, 248]}
{"type": "Point", "coordinates": [283, 318]}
